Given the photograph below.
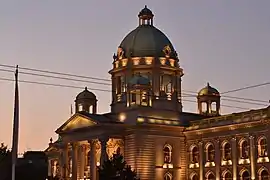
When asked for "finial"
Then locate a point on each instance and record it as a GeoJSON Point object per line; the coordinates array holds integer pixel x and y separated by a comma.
{"type": "Point", "coordinates": [51, 140]}
{"type": "Point", "coordinates": [114, 56]}
{"type": "Point", "coordinates": [85, 88]}
{"type": "Point", "coordinates": [208, 84]}
{"type": "Point", "coordinates": [145, 6]}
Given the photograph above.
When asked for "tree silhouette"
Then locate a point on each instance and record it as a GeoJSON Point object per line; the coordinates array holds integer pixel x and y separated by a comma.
{"type": "Point", "coordinates": [116, 169]}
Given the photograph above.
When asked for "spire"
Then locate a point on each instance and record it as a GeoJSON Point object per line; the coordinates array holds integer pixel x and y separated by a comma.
{"type": "Point", "coordinates": [15, 126]}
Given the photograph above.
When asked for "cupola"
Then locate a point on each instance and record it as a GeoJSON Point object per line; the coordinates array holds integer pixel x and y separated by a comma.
{"type": "Point", "coordinates": [209, 101]}
{"type": "Point", "coordinates": [86, 101]}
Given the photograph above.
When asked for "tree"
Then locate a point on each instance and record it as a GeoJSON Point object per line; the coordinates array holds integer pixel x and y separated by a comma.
{"type": "Point", "coordinates": [116, 169]}
{"type": "Point", "coordinates": [4, 152]}
{"type": "Point", "coordinates": [5, 162]}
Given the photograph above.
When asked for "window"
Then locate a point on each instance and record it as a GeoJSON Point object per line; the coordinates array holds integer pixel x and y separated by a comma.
{"type": "Point", "coordinates": [210, 153]}
{"type": "Point", "coordinates": [167, 150]}
{"type": "Point", "coordinates": [211, 176]}
{"type": "Point", "coordinates": [227, 176]}
{"type": "Point", "coordinates": [195, 155]}
{"type": "Point", "coordinates": [166, 84]}
{"type": "Point", "coordinates": [264, 175]}
{"type": "Point", "coordinates": [123, 84]}
{"type": "Point", "coordinates": [226, 151]}
{"type": "Point", "coordinates": [262, 147]}
{"type": "Point", "coordinates": [245, 176]}
{"type": "Point", "coordinates": [244, 149]}
{"type": "Point", "coordinates": [167, 176]}
{"type": "Point", "coordinates": [194, 177]}
{"type": "Point", "coordinates": [144, 98]}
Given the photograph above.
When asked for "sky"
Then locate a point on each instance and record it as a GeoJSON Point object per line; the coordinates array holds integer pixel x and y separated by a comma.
{"type": "Point", "coordinates": [225, 43]}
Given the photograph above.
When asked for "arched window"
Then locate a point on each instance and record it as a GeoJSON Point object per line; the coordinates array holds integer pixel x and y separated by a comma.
{"type": "Point", "coordinates": [226, 151]}
{"type": "Point", "coordinates": [167, 150]}
{"type": "Point", "coordinates": [262, 147]}
{"type": "Point", "coordinates": [168, 176]}
{"type": "Point", "coordinates": [244, 149]}
{"type": "Point", "coordinates": [195, 154]}
{"type": "Point", "coordinates": [194, 177]}
{"type": "Point", "coordinates": [264, 175]}
{"type": "Point", "coordinates": [211, 176]}
{"type": "Point", "coordinates": [227, 176]}
{"type": "Point", "coordinates": [245, 175]}
{"type": "Point", "coordinates": [210, 153]}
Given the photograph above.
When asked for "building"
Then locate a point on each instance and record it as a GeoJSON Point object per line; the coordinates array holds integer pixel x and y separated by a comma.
{"type": "Point", "coordinates": [148, 126]}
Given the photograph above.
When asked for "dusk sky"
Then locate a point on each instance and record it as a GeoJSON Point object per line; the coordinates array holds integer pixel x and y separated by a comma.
{"type": "Point", "coordinates": [226, 43]}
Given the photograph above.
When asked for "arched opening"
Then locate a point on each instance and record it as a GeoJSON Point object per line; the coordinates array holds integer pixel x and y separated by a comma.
{"type": "Point", "coordinates": [167, 150]}
{"type": "Point", "coordinates": [227, 176]}
{"type": "Point", "coordinates": [204, 107]}
{"type": "Point", "coordinates": [214, 107]}
{"type": "Point", "coordinates": [262, 147]}
{"type": "Point", "coordinates": [210, 153]}
{"type": "Point", "coordinates": [80, 107]}
{"type": "Point", "coordinates": [226, 151]}
{"type": "Point", "coordinates": [244, 149]}
{"type": "Point", "coordinates": [195, 155]}
{"type": "Point", "coordinates": [194, 177]}
{"type": "Point", "coordinates": [245, 175]}
{"type": "Point", "coordinates": [168, 176]}
{"type": "Point", "coordinates": [211, 176]}
{"type": "Point", "coordinates": [264, 175]}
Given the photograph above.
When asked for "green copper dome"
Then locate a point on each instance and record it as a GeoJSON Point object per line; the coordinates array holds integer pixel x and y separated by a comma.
{"type": "Point", "coordinates": [146, 40]}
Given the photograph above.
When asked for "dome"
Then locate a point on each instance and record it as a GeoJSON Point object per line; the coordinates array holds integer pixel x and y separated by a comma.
{"type": "Point", "coordinates": [139, 80]}
{"type": "Point", "coordinates": [85, 95]}
{"type": "Point", "coordinates": [146, 40]}
{"type": "Point", "coordinates": [208, 91]}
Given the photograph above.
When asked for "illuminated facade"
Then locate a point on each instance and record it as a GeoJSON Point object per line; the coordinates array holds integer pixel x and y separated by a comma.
{"type": "Point", "coordinates": [147, 124]}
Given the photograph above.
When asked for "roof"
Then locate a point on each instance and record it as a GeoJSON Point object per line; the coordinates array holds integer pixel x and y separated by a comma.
{"type": "Point", "coordinates": [147, 41]}
{"type": "Point", "coordinates": [85, 94]}
{"type": "Point", "coordinates": [208, 91]}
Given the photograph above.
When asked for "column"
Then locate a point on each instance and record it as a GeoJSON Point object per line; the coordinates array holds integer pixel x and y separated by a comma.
{"type": "Point", "coordinates": [217, 158]}
{"type": "Point", "coordinates": [252, 157]}
{"type": "Point", "coordinates": [49, 167]}
{"type": "Point", "coordinates": [74, 160]}
{"type": "Point", "coordinates": [104, 155]}
{"type": "Point", "coordinates": [65, 162]}
{"type": "Point", "coordinates": [201, 161]}
{"type": "Point", "coordinates": [82, 155]}
{"type": "Point", "coordinates": [234, 158]}
{"type": "Point", "coordinates": [93, 160]}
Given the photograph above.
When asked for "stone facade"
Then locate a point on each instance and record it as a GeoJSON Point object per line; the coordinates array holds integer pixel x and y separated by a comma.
{"type": "Point", "coordinates": [147, 124]}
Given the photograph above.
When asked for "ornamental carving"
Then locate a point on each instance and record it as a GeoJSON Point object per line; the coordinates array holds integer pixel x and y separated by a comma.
{"type": "Point", "coordinates": [167, 50]}
{"type": "Point", "coordinates": [120, 53]}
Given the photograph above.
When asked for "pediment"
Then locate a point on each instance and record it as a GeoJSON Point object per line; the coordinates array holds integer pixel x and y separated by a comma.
{"type": "Point", "coordinates": [77, 122]}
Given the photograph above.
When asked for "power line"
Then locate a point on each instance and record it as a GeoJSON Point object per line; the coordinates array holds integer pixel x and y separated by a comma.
{"type": "Point", "coordinates": [101, 83]}
{"type": "Point", "coordinates": [58, 73]}
{"type": "Point", "coordinates": [56, 77]}
{"type": "Point", "coordinates": [247, 87]}
{"type": "Point", "coordinates": [103, 90]}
